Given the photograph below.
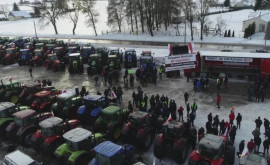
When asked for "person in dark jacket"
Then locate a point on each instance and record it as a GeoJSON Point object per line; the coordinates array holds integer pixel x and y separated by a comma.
{"type": "Point", "coordinates": [208, 127]}
{"type": "Point", "coordinates": [238, 120]}
{"type": "Point", "coordinates": [266, 124]}
{"type": "Point", "coordinates": [186, 97]}
{"type": "Point", "coordinates": [181, 113]}
{"type": "Point", "coordinates": [258, 123]}
{"type": "Point", "coordinates": [218, 100]}
{"type": "Point", "coordinates": [130, 107]}
{"type": "Point", "coordinates": [188, 109]}
{"type": "Point", "coordinates": [222, 127]}
{"type": "Point", "coordinates": [241, 146]}
{"type": "Point", "coordinates": [210, 117]}
{"type": "Point", "coordinates": [266, 146]}
{"type": "Point", "coordinates": [191, 118]}
{"type": "Point", "coordinates": [257, 141]}
{"type": "Point", "coordinates": [200, 133]}
{"type": "Point", "coordinates": [232, 134]}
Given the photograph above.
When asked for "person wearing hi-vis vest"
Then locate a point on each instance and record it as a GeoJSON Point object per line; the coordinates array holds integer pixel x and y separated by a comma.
{"type": "Point", "coordinates": [142, 107]}
{"type": "Point", "coordinates": [130, 71]}
{"type": "Point", "coordinates": [160, 73]}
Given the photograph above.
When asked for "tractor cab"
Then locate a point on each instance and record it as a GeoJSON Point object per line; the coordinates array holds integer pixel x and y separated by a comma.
{"type": "Point", "coordinates": [44, 99]}
{"type": "Point", "coordinates": [38, 57]}
{"type": "Point", "coordinates": [94, 101]}
{"type": "Point", "coordinates": [108, 153]}
{"type": "Point", "coordinates": [86, 45]}
{"type": "Point", "coordinates": [40, 46]}
{"type": "Point", "coordinates": [70, 50]}
{"type": "Point", "coordinates": [113, 63]}
{"type": "Point", "coordinates": [10, 92]}
{"type": "Point", "coordinates": [139, 119]}
{"type": "Point", "coordinates": [146, 59]}
{"type": "Point", "coordinates": [51, 41]}
{"type": "Point", "coordinates": [49, 126]}
{"type": "Point", "coordinates": [19, 158]}
{"type": "Point", "coordinates": [29, 46]}
{"type": "Point", "coordinates": [95, 64]}
{"type": "Point", "coordinates": [52, 57]}
{"type": "Point", "coordinates": [38, 53]}
{"type": "Point", "coordinates": [75, 63]}
{"type": "Point", "coordinates": [130, 58]}
{"type": "Point", "coordinates": [59, 51]}
{"type": "Point", "coordinates": [27, 95]}
{"type": "Point", "coordinates": [60, 43]}
{"type": "Point", "coordinates": [24, 118]}
{"type": "Point", "coordinates": [117, 53]}
{"type": "Point", "coordinates": [3, 40]}
{"type": "Point", "coordinates": [7, 109]}
{"type": "Point", "coordinates": [173, 129]}
{"type": "Point", "coordinates": [25, 56]}
{"type": "Point", "coordinates": [10, 56]}
{"type": "Point", "coordinates": [86, 52]}
{"type": "Point", "coordinates": [50, 48]}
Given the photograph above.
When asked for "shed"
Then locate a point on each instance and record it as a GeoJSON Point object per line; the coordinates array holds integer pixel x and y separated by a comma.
{"type": "Point", "coordinates": [17, 15]}
{"type": "Point", "coordinates": [260, 22]}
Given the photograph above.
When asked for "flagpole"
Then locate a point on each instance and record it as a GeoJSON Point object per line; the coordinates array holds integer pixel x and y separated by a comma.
{"type": "Point", "coordinates": [35, 29]}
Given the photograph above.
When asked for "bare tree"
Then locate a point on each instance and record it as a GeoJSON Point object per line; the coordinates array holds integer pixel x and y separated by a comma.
{"type": "Point", "coordinates": [203, 7]}
{"type": "Point", "coordinates": [130, 13]}
{"type": "Point", "coordinates": [221, 25]}
{"type": "Point", "coordinates": [189, 11]}
{"type": "Point", "coordinates": [74, 14]}
{"type": "Point", "coordinates": [91, 13]}
{"type": "Point", "coordinates": [4, 9]}
{"type": "Point", "coordinates": [116, 13]}
{"type": "Point", "coordinates": [51, 12]}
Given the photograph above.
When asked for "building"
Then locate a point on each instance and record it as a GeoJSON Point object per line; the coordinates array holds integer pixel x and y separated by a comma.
{"type": "Point", "coordinates": [17, 15]}
{"type": "Point", "coordinates": [260, 22]}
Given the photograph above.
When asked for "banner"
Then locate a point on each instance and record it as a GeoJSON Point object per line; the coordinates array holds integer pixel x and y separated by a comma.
{"type": "Point", "coordinates": [228, 59]}
{"type": "Point", "coordinates": [185, 61]}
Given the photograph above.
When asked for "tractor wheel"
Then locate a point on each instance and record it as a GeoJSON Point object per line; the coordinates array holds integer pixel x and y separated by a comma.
{"type": "Point", "coordinates": [3, 133]}
{"type": "Point", "coordinates": [147, 141]}
{"type": "Point", "coordinates": [83, 159]}
{"type": "Point", "coordinates": [159, 151]}
{"type": "Point", "coordinates": [26, 138]}
{"type": "Point", "coordinates": [60, 160]}
{"type": "Point", "coordinates": [180, 153]}
{"type": "Point", "coordinates": [55, 145]}
{"type": "Point", "coordinates": [230, 156]}
{"type": "Point", "coordinates": [14, 99]}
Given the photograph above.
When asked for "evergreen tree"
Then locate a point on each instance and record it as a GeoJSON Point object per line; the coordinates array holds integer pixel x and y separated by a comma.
{"type": "Point", "coordinates": [229, 33]}
{"type": "Point", "coordinates": [225, 34]}
{"type": "Point", "coordinates": [233, 34]}
{"type": "Point", "coordinates": [267, 33]}
{"type": "Point", "coordinates": [258, 4]}
{"type": "Point", "coordinates": [245, 33]}
{"type": "Point", "coordinates": [227, 3]}
{"type": "Point", "coordinates": [252, 28]}
{"type": "Point", "coordinates": [36, 11]}
{"type": "Point", "coordinates": [15, 7]}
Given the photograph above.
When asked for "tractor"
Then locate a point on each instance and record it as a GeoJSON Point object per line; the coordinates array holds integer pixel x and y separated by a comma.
{"type": "Point", "coordinates": [3, 40]}
{"type": "Point", "coordinates": [130, 59]}
{"type": "Point", "coordinates": [213, 149]}
{"type": "Point", "coordinates": [6, 111]}
{"type": "Point", "coordinates": [95, 64]}
{"type": "Point", "coordinates": [111, 120]}
{"type": "Point", "coordinates": [117, 53]}
{"type": "Point", "coordinates": [254, 159]}
{"type": "Point", "coordinates": [10, 57]}
{"type": "Point", "coordinates": [139, 130]}
{"type": "Point", "coordinates": [78, 146]}
{"type": "Point", "coordinates": [10, 92]}
{"type": "Point", "coordinates": [19, 158]}
{"type": "Point", "coordinates": [146, 59]}
{"type": "Point", "coordinates": [109, 153]}
{"type": "Point", "coordinates": [29, 46]}
{"type": "Point", "coordinates": [114, 64]}
{"type": "Point", "coordinates": [60, 52]}
{"type": "Point", "coordinates": [25, 57]}
{"type": "Point", "coordinates": [70, 50]}
{"type": "Point", "coordinates": [38, 58]}
{"type": "Point", "coordinates": [104, 54]}
{"type": "Point", "coordinates": [41, 46]}
{"type": "Point", "coordinates": [174, 140]}
{"type": "Point", "coordinates": [60, 43]}
{"type": "Point", "coordinates": [53, 63]}
{"type": "Point", "coordinates": [50, 135]}
{"type": "Point", "coordinates": [27, 95]}
{"type": "Point", "coordinates": [93, 104]}
{"type": "Point", "coordinates": [50, 48]}
{"type": "Point", "coordinates": [25, 124]}
{"type": "Point", "coordinates": [86, 52]}
{"type": "Point", "coordinates": [67, 105]}
{"type": "Point", "coordinates": [75, 63]}
{"type": "Point", "coordinates": [44, 100]}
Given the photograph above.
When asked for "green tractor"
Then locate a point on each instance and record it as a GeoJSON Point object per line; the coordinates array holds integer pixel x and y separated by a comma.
{"type": "Point", "coordinates": [66, 105]}
{"type": "Point", "coordinates": [95, 64]}
{"type": "Point", "coordinates": [75, 63]}
{"type": "Point", "coordinates": [10, 92]}
{"type": "Point", "coordinates": [6, 111]}
{"type": "Point", "coordinates": [114, 66]}
{"type": "Point", "coordinates": [111, 120]}
{"type": "Point", "coordinates": [77, 149]}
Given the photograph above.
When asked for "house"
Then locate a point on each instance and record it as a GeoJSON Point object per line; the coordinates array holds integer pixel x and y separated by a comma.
{"type": "Point", "coordinates": [17, 15]}
{"type": "Point", "coordinates": [260, 22]}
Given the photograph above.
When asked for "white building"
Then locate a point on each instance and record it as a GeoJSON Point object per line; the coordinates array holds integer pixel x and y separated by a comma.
{"type": "Point", "coordinates": [260, 22]}
{"type": "Point", "coordinates": [17, 15]}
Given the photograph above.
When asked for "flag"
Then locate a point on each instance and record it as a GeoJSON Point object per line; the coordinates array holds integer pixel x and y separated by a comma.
{"type": "Point", "coordinates": [52, 113]}
{"type": "Point", "coordinates": [191, 47]}
{"type": "Point", "coordinates": [154, 162]}
{"type": "Point", "coordinates": [170, 48]}
{"type": "Point", "coordinates": [113, 95]}
{"type": "Point", "coordinates": [245, 152]}
{"type": "Point", "coordinates": [10, 79]}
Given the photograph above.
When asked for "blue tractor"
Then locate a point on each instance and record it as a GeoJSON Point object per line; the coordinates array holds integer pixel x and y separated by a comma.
{"type": "Point", "coordinates": [25, 57]}
{"type": "Point", "coordinates": [93, 104]}
{"type": "Point", "coordinates": [110, 153]}
{"type": "Point", "coordinates": [130, 59]}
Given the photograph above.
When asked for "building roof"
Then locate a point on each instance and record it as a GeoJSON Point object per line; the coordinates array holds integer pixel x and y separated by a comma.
{"type": "Point", "coordinates": [234, 54]}
{"type": "Point", "coordinates": [19, 157]}
{"type": "Point", "coordinates": [77, 134]}
{"type": "Point", "coordinates": [108, 149]}
{"type": "Point", "coordinates": [20, 14]}
{"type": "Point", "coordinates": [50, 122]}
{"type": "Point", "coordinates": [6, 105]}
{"type": "Point", "coordinates": [264, 17]}
{"type": "Point", "coordinates": [24, 113]}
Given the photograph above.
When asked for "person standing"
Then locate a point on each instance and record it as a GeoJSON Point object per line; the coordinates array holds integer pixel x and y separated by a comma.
{"type": "Point", "coordinates": [96, 80]}
{"type": "Point", "coordinates": [250, 146]}
{"type": "Point", "coordinates": [186, 95]}
{"type": "Point", "coordinates": [266, 124]}
{"type": "Point", "coordinates": [258, 123]}
{"type": "Point", "coordinates": [30, 71]}
{"type": "Point", "coordinates": [192, 118]}
{"type": "Point", "coordinates": [232, 134]}
{"type": "Point", "coordinates": [200, 133]}
{"type": "Point", "coordinates": [208, 127]}
{"type": "Point", "coordinates": [257, 141]}
{"type": "Point", "coordinates": [210, 117]}
{"type": "Point", "coordinates": [181, 113]}
{"type": "Point", "coordinates": [241, 146]}
{"type": "Point", "coordinates": [218, 100]}
{"type": "Point", "coordinates": [231, 117]}
{"type": "Point", "coordinates": [221, 127]}
{"type": "Point", "coordinates": [188, 109]}
{"type": "Point", "coordinates": [160, 73]}
{"type": "Point", "coordinates": [266, 146]}
{"type": "Point", "coordinates": [130, 107]}
{"type": "Point", "coordinates": [238, 120]}
{"type": "Point", "coordinates": [194, 108]}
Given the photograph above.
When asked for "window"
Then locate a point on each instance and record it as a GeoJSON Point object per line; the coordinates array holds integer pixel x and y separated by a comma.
{"type": "Point", "coordinates": [261, 28]}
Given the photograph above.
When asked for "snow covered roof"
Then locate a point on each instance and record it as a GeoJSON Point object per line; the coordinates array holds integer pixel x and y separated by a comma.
{"type": "Point", "coordinates": [50, 122]}
{"type": "Point", "coordinates": [77, 135]}
{"type": "Point", "coordinates": [255, 15]}
{"type": "Point", "coordinates": [235, 54]}
{"type": "Point", "coordinates": [108, 149]}
{"type": "Point", "coordinates": [18, 157]}
{"type": "Point", "coordinates": [19, 14]}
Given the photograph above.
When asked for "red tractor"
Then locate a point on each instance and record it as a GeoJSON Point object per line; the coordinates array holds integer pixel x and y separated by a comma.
{"type": "Point", "coordinates": [44, 100]}
{"type": "Point", "coordinates": [53, 63]}
{"type": "Point", "coordinates": [38, 57]}
{"type": "Point", "coordinates": [174, 140]}
{"type": "Point", "coordinates": [213, 149]}
{"type": "Point", "coordinates": [139, 129]}
{"type": "Point", "coordinates": [24, 126]}
{"type": "Point", "coordinates": [28, 93]}
{"type": "Point", "coordinates": [50, 135]}
{"type": "Point", "coordinates": [10, 57]}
